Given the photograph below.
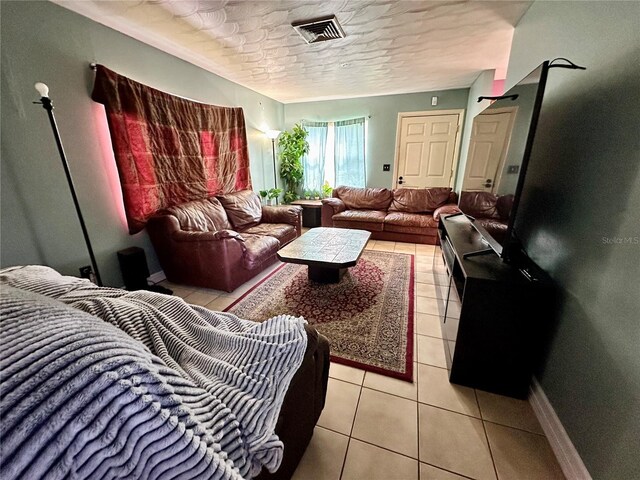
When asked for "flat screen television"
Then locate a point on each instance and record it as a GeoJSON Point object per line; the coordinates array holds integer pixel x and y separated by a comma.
{"type": "Point", "coordinates": [501, 141]}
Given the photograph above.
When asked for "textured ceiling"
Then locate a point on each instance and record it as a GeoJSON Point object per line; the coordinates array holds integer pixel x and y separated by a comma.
{"type": "Point", "coordinates": [390, 46]}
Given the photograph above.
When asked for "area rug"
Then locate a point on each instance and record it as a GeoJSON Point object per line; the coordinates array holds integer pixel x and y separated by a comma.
{"type": "Point", "coordinates": [367, 317]}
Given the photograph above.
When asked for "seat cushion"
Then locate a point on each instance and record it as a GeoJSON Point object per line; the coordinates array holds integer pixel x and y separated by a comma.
{"type": "Point", "coordinates": [243, 208]}
{"type": "Point", "coordinates": [364, 198]}
{"type": "Point", "coordinates": [258, 249]}
{"type": "Point", "coordinates": [416, 200]}
{"type": "Point", "coordinates": [430, 231]}
{"type": "Point", "coordinates": [418, 220]}
{"type": "Point", "coordinates": [206, 215]}
{"type": "Point", "coordinates": [371, 220]}
{"type": "Point", "coordinates": [283, 232]}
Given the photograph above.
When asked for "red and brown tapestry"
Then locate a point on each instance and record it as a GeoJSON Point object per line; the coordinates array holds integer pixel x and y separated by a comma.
{"type": "Point", "coordinates": [170, 150]}
{"type": "Point", "coordinates": [367, 317]}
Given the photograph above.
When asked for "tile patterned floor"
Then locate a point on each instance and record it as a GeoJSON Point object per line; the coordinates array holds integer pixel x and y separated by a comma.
{"type": "Point", "coordinates": [375, 427]}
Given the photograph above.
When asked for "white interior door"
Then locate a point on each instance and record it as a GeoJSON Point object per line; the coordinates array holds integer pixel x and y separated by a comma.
{"type": "Point", "coordinates": [427, 146]}
{"type": "Point", "coordinates": [487, 150]}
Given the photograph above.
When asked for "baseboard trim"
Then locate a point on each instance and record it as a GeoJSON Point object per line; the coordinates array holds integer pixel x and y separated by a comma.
{"type": "Point", "coordinates": [157, 277]}
{"type": "Point", "coordinates": [567, 455]}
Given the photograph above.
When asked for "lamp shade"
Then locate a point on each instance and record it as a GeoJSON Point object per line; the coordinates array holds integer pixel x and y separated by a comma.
{"type": "Point", "coordinates": [42, 89]}
{"type": "Point", "coordinates": [272, 134]}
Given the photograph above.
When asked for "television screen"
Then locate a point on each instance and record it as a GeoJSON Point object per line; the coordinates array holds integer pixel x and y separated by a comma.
{"type": "Point", "coordinates": [499, 149]}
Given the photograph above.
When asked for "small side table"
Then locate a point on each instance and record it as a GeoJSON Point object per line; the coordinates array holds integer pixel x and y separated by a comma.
{"type": "Point", "coordinates": [311, 212]}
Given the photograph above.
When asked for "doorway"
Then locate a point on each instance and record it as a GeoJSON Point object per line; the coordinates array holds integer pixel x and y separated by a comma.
{"type": "Point", "coordinates": [427, 145]}
{"type": "Point", "coordinates": [490, 136]}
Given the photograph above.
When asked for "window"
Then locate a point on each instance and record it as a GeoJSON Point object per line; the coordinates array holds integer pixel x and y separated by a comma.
{"type": "Point", "coordinates": [336, 154]}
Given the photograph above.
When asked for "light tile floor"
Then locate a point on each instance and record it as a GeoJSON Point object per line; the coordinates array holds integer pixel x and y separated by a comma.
{"type": "Point", "coordinates": [375, 427]}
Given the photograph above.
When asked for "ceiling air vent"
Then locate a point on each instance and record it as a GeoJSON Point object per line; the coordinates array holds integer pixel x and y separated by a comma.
{"type": "Point", "coordinates": [319, 29]}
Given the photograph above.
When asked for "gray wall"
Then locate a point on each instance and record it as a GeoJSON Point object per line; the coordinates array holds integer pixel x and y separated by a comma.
{"type": "Point", "coordinates": [45, 42]}
{"type": "Point", "coordinates": [482, 86]}
{"type": "Point", "coordinates": [583, 196]}
{"type": "Point", "coordinates": [382, 124]}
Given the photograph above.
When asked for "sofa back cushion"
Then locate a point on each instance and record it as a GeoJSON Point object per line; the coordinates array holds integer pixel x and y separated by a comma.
{"type": "Point", "coordinates": [419, 200]}
{"type": "Point", "coordinates": [364, 198]}
{"type": "Point", "coordinates": [206, 215]}
{"type": "Point", "coordinates": [479, 204]}
{"type": "Point", "coordinates": [504, 205]}
{"type": "Point", "coordinates": [243, 208]}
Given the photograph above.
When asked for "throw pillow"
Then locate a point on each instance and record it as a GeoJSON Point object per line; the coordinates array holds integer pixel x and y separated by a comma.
{"type": "Point", "coordinates": [243, 208]}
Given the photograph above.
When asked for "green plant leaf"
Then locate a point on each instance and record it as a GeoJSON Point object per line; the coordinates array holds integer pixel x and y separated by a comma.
{"type": "Point", "coordinates": [293, 146]}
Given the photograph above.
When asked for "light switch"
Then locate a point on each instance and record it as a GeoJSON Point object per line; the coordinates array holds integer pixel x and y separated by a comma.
{"type": "Point", "coordinates": [386, 167]}
{"type": "Point", "coordinates": [434, 101]}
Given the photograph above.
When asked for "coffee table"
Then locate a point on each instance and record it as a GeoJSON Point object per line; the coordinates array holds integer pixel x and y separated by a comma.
{"type": "Point", "coordinates": [328, 252]}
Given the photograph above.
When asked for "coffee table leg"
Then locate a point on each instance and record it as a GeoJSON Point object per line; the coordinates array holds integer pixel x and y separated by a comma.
{"type": "Point", "coordinates": [326, 275]}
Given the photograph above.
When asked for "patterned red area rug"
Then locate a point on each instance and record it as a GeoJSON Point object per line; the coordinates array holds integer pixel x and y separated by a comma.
{"type": "Point", "coordinates": [367, 317]}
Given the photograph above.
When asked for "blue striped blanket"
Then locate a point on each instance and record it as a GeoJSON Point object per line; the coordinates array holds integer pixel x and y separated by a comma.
{"type": "Point", "coordinates": [103, 383]}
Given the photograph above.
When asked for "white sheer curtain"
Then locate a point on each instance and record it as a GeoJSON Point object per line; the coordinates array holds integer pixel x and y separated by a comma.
{"type": "Point", "coordinates": [314, 161]}
{"type": "Point", "coordinates": [349, 151]}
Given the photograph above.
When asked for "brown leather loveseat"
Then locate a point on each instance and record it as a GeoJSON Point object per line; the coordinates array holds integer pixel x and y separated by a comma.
{"type": "Point", "coordinates": [400, 215]}
{"type": "Point", "coordinates": [221, 242]}
{"type": "Point", "coordinates": [489, 210]}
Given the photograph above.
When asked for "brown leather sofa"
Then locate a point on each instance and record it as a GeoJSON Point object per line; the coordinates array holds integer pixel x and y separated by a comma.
{"type": "Point", "coordinates": [400, 215]}
{"type": "Point", "coordinates": [221, 242]}
{"type": "Point", "coordinates": [489, 210]}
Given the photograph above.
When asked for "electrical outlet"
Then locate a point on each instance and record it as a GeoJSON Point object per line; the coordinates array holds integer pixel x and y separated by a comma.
{"type": "Point", "coordinates": [386, 167]}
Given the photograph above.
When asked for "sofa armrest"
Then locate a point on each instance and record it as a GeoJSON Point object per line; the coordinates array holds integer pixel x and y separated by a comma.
{"type": "Point", "coordinates": [448, 209]}
{"type": "Point", "coordinates": [330, 207]}
{"type": "Point", "coordinates": [302, 405]}
{"type": "Point", "coordinates": [290, 214]}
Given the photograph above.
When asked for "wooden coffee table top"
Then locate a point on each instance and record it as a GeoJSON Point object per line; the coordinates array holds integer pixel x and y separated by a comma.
{"type": "Point", "coordinates": [326, 247]}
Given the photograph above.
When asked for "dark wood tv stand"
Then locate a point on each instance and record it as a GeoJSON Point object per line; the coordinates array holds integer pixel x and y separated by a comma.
{"type": "Point", "coordinates": [493, 317]}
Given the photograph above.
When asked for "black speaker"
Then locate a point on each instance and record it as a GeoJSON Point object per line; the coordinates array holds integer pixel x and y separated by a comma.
{"type": "Point", "coordinates": [133, 265]}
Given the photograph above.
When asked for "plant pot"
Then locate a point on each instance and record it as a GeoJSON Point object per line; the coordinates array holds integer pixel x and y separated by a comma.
{"type": "Point", "coordinates": [316, 198]}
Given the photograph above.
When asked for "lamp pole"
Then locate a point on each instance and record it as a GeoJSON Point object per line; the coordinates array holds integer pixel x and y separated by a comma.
{"type": "Point", "coordinates": [275, 176]}
{"type": "Point", "coordinates": [43, 90]}
{"type": "Point", "coordinates": [273, 134]}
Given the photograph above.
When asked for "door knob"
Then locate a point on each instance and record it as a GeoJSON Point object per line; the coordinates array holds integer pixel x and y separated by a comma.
{"type": "Point", "coordinates": [400, 182]}
{"type": "Point", "coordinates": [487, 183]}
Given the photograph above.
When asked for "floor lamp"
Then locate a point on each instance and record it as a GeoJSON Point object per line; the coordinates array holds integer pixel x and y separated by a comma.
{"type": "Point", "coordinates": [273, 134]}
{"type": "Point", "coordinates": [45, 101]}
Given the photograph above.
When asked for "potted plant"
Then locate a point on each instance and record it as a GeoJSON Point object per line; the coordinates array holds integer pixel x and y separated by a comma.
{"type": "Point", "coordinates": [263, 195]}
{"type": "Point", "coordinates": [293, 146]}
{"type": "Point", "coordinates": [274, 193]}
{"type": "Point", "coordinates": [307, 194]}
{"type": "Point", "coordinates": [290, 197]}
{"type": "Point", "coordinates": [326, 190]}
{"type": "Point", "coordinates": [316, 195]}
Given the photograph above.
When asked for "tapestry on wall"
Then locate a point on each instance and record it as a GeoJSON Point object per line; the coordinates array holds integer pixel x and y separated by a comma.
{"type": "Point", "coordinates": [170, 150]}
